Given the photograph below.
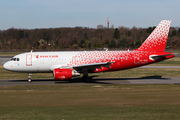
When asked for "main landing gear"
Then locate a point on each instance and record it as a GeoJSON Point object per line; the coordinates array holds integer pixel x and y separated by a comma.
{"type": "Point", "coordinates": [29, 77]}
{"type": "Point", "coordinates": [86, 78]}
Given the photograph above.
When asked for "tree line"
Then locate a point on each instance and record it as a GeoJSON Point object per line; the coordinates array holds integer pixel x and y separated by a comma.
{"type": "Point", "coordinates": [80, 38]}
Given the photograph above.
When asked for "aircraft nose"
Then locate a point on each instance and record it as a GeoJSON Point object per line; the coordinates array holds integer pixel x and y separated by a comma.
{"type": "Point", "coordinates": [6, 66]}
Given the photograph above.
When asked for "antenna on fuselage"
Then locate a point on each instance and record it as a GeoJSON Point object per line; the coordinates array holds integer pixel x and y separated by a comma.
{"type": "Point", "coordinates": [106, 49]}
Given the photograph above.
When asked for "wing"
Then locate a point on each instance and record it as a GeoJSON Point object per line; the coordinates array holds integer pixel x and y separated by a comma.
{"type": "Point", "coordinates": [92, 66]}
{"type": "Point", "coordinates": [84, 67]}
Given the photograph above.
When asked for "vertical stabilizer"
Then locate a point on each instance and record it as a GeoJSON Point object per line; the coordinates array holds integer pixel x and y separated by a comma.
{"type": "Point", "coordinates": [157, 39]}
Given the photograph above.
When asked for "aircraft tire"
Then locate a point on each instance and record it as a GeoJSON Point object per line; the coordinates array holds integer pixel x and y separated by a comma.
{"type": "Point", "coordinates": [86, 79]}
{"type": "Point", "coordinates": [29, 80]}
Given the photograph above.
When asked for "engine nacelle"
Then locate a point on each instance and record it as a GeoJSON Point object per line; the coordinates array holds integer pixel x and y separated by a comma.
{"type": "Point", "coordinates": [64, 74]}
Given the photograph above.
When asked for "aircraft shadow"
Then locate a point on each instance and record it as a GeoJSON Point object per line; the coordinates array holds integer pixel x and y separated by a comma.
{"type": "Point", "coordinates": [99, 80]}
{"type": "Point", "coordinates": [147, 77]}
{"type": "Point", "coordinates": [94, 80]}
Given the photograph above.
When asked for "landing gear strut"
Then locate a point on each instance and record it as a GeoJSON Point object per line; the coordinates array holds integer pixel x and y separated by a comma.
{"type": "Point", "coordinates": [86, 78]}
{"type": "Point", "coordinates": [29, 77]}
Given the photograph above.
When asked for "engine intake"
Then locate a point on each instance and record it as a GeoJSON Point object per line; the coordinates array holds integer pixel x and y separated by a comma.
{"type": "Point", "coordinates": [64, 74]}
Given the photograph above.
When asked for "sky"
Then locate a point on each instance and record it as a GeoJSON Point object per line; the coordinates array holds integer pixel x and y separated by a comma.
{"type": "Point", "coordinates": [31, 14]}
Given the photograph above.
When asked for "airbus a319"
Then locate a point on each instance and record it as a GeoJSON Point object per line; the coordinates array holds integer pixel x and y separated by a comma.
{"type": "Point", "coordinates": [65, 65]}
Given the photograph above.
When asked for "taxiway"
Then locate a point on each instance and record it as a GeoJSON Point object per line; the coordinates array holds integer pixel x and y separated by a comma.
{"type": "Point", "coordinates": [95, 81]}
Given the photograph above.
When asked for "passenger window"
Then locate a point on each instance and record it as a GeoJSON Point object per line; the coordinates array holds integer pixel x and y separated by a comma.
{"type": "Point", "coordinates": [17, 59]}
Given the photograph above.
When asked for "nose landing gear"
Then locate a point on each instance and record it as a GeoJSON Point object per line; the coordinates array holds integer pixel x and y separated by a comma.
{"type": "Point", "coordinates": [29, 77]}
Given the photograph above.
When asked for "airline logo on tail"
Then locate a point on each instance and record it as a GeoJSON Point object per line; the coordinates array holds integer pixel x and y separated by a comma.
{"type": "Point", "coordinates": [158, 38]}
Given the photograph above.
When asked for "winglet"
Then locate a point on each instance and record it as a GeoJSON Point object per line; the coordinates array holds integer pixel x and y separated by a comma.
{"type": "Point", "coordinates": [157, 39]}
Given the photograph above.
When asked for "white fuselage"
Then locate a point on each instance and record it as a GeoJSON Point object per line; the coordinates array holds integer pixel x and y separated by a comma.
{"type": "Point", "coordinates": [39, 61]}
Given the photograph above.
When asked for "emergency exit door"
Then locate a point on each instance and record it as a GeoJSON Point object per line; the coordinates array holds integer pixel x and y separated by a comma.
{"type": "Point", "coordinates": [29, 60]}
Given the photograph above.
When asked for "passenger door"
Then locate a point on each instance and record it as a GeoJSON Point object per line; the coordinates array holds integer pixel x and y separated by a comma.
{"type": "Point", "coordinates": [29, 60]}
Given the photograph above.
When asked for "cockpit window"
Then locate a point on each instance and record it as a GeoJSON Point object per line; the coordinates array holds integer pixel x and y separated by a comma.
{"type": "Point", "coordinates": [15, 59]}
{"type": "Point", "coordinates": [12, 59]}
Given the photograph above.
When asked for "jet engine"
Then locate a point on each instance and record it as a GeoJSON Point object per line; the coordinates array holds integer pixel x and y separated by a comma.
{"type": "Point", "coordinates": [64, 74]}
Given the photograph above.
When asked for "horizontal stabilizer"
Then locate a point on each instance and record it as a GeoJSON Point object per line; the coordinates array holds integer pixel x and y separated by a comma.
{"type": "Point", "coordinates": [157, 57]}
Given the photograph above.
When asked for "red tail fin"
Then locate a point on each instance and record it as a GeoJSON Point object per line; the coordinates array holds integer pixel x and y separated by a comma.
{"type": "Point", "coordinates": [157, 39]}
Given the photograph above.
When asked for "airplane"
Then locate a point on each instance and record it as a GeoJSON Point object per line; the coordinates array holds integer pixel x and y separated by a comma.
{"type": "Point", "coordinates": [65, 65]}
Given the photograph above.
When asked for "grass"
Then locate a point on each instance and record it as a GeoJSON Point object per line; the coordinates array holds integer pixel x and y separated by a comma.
{"type": "Point", "coordinates": [14, 75]}
{"type": "Point", "coordinates": [15, 53]}
{"type": "Point", "coordinates": [173, 61]}
{"type": "Point", "coordinates": [86, 102]}
{"type": "Point", "coordinates": [176, 52]}
{"type": "Point", "coordinates": [9, 53]}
